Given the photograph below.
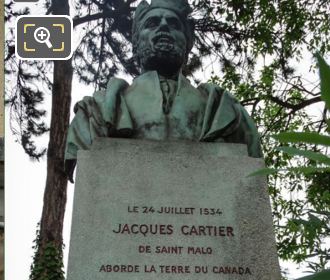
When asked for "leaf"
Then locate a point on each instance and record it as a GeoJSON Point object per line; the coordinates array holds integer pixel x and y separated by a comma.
{"type": "Point", "coordinates": [315, 221]}
{"type": "Point", "coordinates": [325, 80]}
{"type": "Point", "coordinates": [319, 157]}
{"type": "Point", "coordinates": [322, 212]}
{"type": "Point", "coordinates": [299, 221]}
{"type": "Point", "coordinates": [304, 170]}
{"type": "Point", "coordinates": [306, 137]}
{"type": "Point", "coordinates": [307, 169]}
{"type": "Point", "coordinates": [264, 172]}
{"type": "Point", "coordinates": [323, 275]}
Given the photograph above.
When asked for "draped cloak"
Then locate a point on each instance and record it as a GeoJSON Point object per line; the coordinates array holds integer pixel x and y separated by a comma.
{"type": "Point", "coordinates": [207, 113]}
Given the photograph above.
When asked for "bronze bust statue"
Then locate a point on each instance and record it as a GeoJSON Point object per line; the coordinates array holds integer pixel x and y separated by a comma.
{"type": "Point", "coordinates": [161, 104]}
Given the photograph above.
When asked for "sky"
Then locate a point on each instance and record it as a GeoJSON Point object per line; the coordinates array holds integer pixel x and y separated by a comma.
{"type": "Point", "coordinates": [24, 187]}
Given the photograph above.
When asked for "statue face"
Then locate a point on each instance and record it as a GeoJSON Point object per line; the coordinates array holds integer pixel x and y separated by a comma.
{"type": "Point", "coordinates": [162, 42]}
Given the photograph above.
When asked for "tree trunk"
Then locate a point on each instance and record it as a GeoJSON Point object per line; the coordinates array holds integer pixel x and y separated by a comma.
{"type": "Point", "coordinates": [55, 192]}
{"type": "Point", "coordinates": [50, 241]}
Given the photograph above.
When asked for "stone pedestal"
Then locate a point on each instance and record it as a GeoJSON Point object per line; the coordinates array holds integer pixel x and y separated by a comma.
{"type": "Point", "coordinates": [170, 210]}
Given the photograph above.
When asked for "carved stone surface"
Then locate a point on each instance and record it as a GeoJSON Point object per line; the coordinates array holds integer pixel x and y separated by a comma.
{"type": "Point", "coordinates": [219, 224]}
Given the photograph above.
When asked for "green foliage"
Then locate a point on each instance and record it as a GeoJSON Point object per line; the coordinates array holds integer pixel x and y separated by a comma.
{"type": "Point", "coordinates": [307, 137]}
{"type": "Point", "coordinates": [315, 156]}
{"type": "Point", "coordinates": [303, 235]}
{"type": "Point", "coordinates": [277, 96]}
{"type": "Point", "coordinates": [324, 275]}
{"type": "Point", "coordinates": [325, 80]}
{"type": "Point", "coordinates": [49, 265]}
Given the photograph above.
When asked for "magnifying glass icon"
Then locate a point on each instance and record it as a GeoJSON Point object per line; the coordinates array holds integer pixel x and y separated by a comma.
{"type": "Point", "coordinates": [41, 35]}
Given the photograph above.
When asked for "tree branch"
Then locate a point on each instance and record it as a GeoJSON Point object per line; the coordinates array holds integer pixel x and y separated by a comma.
{"type": "Point", "coordinates": [295, 107]}
{"type": "Point", "coordinates": [77, 21]}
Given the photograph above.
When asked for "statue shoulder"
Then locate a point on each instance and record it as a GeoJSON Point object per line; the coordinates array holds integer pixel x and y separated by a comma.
{"type": "Point", "coordinates": [114, 87]}
{"type": "Point", "coordinates": [86, 103]}
{"type": "Point", "coordinates": [213, 89]}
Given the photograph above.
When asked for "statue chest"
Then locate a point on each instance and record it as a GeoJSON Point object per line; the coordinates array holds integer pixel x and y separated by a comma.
{"type": "Point", "coordinates": [183, 119]}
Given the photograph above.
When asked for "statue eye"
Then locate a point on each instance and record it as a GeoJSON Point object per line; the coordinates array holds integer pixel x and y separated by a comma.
{"type": "Point", "coordinates": [174, 23]}
{"type": "Point", "coordinates": [152, 22]}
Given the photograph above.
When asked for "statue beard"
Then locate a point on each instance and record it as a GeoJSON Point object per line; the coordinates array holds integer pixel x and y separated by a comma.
{"type": "Point", "coordinates": [166, 58]}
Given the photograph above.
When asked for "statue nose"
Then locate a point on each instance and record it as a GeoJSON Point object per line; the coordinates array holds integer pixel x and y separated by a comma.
{"type": "Point", "coordinates": [163, 24]}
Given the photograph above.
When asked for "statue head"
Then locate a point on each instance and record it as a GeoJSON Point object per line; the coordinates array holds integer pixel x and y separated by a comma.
{"type": "Point", "coordinates": [163, 35]}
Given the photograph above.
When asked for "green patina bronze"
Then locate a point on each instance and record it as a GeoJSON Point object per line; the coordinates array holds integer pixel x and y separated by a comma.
{"type": "Point", "coordinates": [161, 104]}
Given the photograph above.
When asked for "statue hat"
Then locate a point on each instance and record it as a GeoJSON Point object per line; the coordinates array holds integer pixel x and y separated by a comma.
{"type": "Point", "coordinates": [180, 7]}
